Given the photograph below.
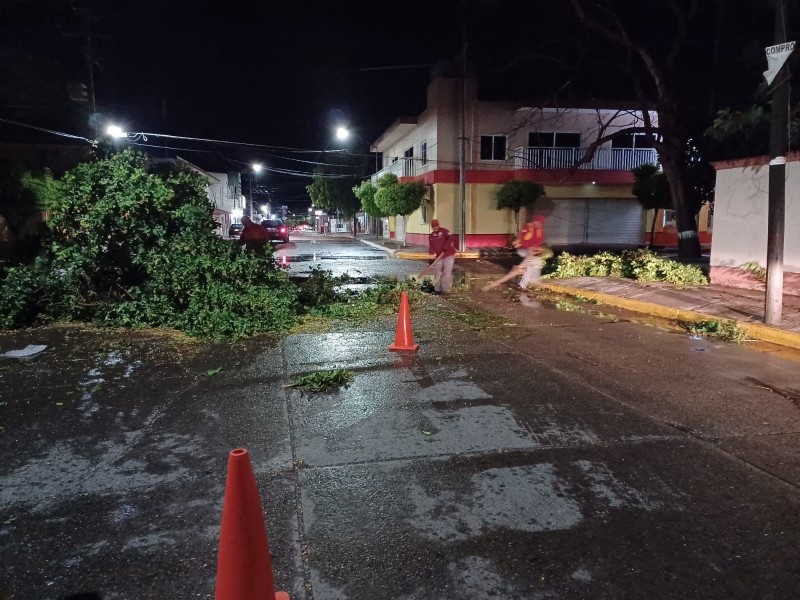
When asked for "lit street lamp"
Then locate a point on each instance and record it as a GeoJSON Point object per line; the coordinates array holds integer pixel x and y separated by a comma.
{"type": "Point", "coordinates": [256, 169]}
{"type": "Point", "coordinates": [115, 131]}
{"type": "Point", "coordinates": [342, 133]}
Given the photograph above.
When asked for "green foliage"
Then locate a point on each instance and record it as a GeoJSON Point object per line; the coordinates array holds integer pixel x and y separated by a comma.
{"type": "Point", "coordinates": [517, 194]}
{"type": "Point", "coordinates": [395, 198]}
{"type": "Point", "coordinates": [321, 381]}
{"type": "Point", "coordinates": [42, 189]}
{"type": "Point", "coordinates": [132, 245]}
{"type": "Point", "coordinates": [319, 289]}
{"type": "Point", "coordinates": [202, 285]}
{"type": "Point", "coordinates": [641, 265]}
{"type": "Point", "coordinates": [366, 193]}
{"type": "Point", "coordinates": [332, 187]}
{"type": "Point", "coordinates": [379, 300]}
{"type": "Point", "coordinates": [651, 187]}
{"type": "Point", "coordinates": [726, 330]}
{"type": "Point", "coordinates": [756, 270]}
{"type": "Point", "coordinates": [23, 193]}
{"type": "Point", "coordinates": [40, 292]}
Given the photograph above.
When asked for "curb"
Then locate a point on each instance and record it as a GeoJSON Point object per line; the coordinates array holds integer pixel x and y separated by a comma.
{"type": "Point", "coordinates": [757, 331]}
{"type": "Point", "coordinates": [378, 246]}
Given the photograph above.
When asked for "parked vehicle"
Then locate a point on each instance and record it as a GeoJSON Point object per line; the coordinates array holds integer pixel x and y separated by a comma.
{"type": "Point", "coordinates": [235, 230]}
{"type": "Point", "coordinates": [276, 229]}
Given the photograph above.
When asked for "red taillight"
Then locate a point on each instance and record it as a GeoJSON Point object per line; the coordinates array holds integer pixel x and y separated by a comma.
{"type": "Point", "coordinates": [283, 229]}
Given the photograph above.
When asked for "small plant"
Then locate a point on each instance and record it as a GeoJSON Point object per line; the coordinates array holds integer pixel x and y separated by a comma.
{"type": "Point", "coordinates": [756, 270]}
{"type": "Point", "coordinates": [726, 330]}
{"type": "Point", "coordinates": [321, 381]}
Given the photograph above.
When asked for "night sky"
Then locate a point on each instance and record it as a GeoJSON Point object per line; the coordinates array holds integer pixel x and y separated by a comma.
{"type": "Point", "coordinates": [286, 73]}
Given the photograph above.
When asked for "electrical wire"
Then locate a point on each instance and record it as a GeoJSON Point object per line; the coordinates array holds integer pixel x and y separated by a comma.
{"type": "Point", "coordinates": [44, 129]}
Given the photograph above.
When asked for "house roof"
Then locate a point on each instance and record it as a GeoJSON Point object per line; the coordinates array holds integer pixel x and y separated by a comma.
{"type": "Point", "coordinates": [400, 125]}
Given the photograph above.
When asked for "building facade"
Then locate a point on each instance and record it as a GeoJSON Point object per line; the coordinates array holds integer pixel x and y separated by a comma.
{"type": "Point", "coordinates": [588, 199]}
{"type": "Point", "coordinates": [225, 193]}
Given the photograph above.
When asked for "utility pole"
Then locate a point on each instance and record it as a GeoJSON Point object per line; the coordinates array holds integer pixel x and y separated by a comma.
{"type": "Point", "coordinates": [779, 145]}
{"type": "Point", "coordinates": [88, 18]}
{"type": "Point", "coordinates": [462, 162]}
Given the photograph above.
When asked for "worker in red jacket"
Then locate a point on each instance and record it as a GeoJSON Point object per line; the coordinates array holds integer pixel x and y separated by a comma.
{"type": "Point", "coordinates": [254, 237]}
{"type": "Point", "coordinates": [529, 245]}
{"type": "Point", "coordinates": [442, 245]}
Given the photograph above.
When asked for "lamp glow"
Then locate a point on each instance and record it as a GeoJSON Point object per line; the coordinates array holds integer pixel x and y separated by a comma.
{"type": "Point", "coordinates": [342, 133]}
{"type": "Point", "coordinates": [115, 131]}
{"type": "Point", "coordinates": [257, 167]}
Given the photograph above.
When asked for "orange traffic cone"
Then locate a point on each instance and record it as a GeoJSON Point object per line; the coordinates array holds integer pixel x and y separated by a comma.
{"type": "Point", "coordinates": [404, 337]}
{"type": "Point", "coordinates": [244, 569]}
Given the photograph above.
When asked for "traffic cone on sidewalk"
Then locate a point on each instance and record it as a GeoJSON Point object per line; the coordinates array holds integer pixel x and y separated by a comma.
{"type": "Point", "coordinates": [244, 568]}
{"type": "Point", "coordinates": [404, 337]}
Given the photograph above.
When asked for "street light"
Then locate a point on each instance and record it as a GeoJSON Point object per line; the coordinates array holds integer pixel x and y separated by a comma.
{"type": "Point", "coordinates": [342, 133]}
{"type": "Point", "coordinates": [256, 169]}
{"type": "Point", "coordinates": [115, 131]}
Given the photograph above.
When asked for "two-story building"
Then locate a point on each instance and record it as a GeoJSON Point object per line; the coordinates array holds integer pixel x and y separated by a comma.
{"type": "Point", "coordinates": [224, 191]}
{"type": "Point", "coordinates": [587, 202]}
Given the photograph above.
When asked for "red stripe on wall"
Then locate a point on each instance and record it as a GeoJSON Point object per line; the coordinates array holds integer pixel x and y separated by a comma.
{"type": "Point", "coordinates": [669, 239]}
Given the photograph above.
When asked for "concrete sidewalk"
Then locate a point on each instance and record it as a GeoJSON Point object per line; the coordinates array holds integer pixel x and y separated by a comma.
{"type": "Point", "coordinates": [696, 303]}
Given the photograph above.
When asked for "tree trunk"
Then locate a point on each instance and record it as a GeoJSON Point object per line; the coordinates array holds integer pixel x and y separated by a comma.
{"type": "Point", "coordinates": [673, 160]}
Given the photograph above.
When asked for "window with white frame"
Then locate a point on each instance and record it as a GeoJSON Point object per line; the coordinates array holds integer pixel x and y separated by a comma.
{"type": "Point", "coordinates": [423, 153]}
{"type": "Point", "coordinates": [493, 147]}
{"type": "Point", "coordinates": [552, 139]}
{"type": "Point", "coordinates": [633, 140]}
{"type": "Point", "coordinates": [409, 153]}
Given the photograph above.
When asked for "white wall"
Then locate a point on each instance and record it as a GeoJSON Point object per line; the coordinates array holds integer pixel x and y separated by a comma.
{"type": "Point", "coordinates": [740, 216]}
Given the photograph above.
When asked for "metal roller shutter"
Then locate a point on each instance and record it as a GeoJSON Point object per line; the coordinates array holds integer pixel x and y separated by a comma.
{"type": "Point", "coordinates": [566, 224]}
{"type": "Point", "coordinates": [617, 222]}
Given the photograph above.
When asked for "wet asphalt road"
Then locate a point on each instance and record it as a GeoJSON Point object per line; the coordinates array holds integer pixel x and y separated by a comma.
{"type": "Point", "coordinates": [523, 452]}
{"type": "Point", "coordinates": [340, 255]}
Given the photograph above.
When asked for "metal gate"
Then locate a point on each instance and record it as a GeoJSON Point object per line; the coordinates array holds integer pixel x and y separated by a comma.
{"type": "Point", "coordinates": [594, 222]}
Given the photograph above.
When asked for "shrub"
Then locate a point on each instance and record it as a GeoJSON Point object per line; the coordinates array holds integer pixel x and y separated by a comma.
{"type": "Point", "coordinates": [641, 265]}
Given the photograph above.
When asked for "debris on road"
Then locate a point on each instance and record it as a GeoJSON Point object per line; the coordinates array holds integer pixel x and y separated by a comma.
{"type": "Point", "coordinates": [27, 352]}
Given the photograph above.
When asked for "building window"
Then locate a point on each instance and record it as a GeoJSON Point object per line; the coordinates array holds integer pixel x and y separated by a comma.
{"type": "Point", "coordinates": [423, 151]}
{"type": "Point", "coordinates": [669, 217]}
{"type": "Point", "coordinates": [394, 159]}
{"type": "Point", "coordinates": [633, 141]}
{"type": "Point", "coordinates": [493, 147]}
{"type": "Point", "coordinates": [409, 153]}
{"type": "Point", "coordinates": [549, 139]}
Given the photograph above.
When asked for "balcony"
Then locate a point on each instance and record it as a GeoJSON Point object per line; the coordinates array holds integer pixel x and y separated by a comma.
{"type": "Point", "coordinates": [402, 167]}
{"type": "Point", "coordinates": [605, 159]}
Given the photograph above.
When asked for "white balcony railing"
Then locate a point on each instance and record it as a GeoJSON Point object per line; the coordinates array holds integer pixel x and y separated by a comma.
{"type": "Point", "coordinates": [402, 167]}
{"type": "Point", "coordinates": [607, 159]}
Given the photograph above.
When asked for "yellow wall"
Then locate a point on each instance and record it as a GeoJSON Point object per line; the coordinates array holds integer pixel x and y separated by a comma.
{"type": "Point", "coordinates": [483, 218]}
